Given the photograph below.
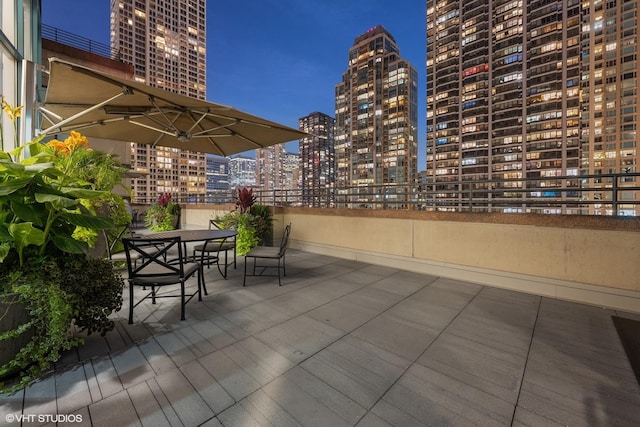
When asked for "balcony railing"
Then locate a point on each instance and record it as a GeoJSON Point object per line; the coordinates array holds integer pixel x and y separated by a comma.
{"type": "Point", "coordinates": [79, 42]}
{"type": "Point", "coordinates": [602, 194]}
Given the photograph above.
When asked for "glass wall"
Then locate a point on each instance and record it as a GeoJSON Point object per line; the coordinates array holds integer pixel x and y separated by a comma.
{"type": "Point", "coordinates": [19, 51]}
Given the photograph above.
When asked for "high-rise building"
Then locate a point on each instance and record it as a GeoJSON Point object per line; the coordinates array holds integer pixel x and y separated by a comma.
{"type": "Point", "coordinates": [218, 190]}
{"type": "Point", "coordinates": [376, 120]}
{"type": "Point", "coordinates": [165, 40]}
{"type": "Point", "coordinates": [242, 172]}
{"type": "Point", "coordinates": [517, 95]}
{"type": "Point", "coordinates": [291, 171]}
{"type": "Point", "coordinates": [270, 171]}
{"type": "Point", "coordinates": [609, 112]}
{"type": "Point", "coordinates": [317, 159]}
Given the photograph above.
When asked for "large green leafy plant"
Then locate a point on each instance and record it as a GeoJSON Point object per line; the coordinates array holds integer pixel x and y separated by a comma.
{"type": "Point", "coordinates": [160, 217]}
{"type": "Point", "coordinates": [44, 200]}
{"type": "Point", "coordinates": [251, 220]}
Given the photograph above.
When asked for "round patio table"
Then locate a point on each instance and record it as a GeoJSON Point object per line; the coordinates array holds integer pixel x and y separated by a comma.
{"type": "Point", "coordinates": [187, 236]}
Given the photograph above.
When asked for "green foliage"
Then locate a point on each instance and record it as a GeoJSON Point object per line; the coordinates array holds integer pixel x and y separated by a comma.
{"type": "Point", "coordinates": [158, 218]}
{"type": "Point", "coordinates": [246, 239]}
{"type": "Point", "coordinates": [38, 287]}
{"type": "Point", "coordinates": [95, 291]}
{"type": "Point", "coordinates": [173, 208]}
{"type": "Point", "coordinates": [263, 220]}
{"type": "Point", "coordinates": [253, 226]}
{"type": "Point", "coordinates": [47, 219]}
{"type": "Point", "coordinates": [252, 221]}
{"type": "Point", "coordinates": [40, 205]}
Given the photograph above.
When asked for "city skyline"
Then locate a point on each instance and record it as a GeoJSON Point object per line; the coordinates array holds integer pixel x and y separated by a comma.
{"type": "Point", "coordinates": [518, 96]}
{"type": "Point", "coordinates": [248, 42]}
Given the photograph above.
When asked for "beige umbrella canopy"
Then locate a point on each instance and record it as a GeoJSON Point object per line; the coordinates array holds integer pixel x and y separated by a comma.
{"type": "Point", "coordinates": [103, 106]}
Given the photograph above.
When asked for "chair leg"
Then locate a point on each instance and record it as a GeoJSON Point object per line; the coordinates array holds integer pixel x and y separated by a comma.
{"type": "Point", "coordinates": [182, 310]}
{"type": "Point", "coordinates": [279, 282]}
{"type": "Point", "coordinates": [130, 303]}
{"type": "Point", "coordinates": [244, 279]}
{"type": "Point", "coordinates": [225, 264]}
{"type": "Point", "coordinates": [235, 267]}
{"type": "Point", "coordinates": [201, 277]}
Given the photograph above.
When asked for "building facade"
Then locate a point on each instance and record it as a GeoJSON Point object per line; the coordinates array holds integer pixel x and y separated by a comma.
{"type": "Point", "coordinates": [242, 172]}
{"type": "Point", "coordinates": [609, 109]}
{"type": "Point", "coordinates": [218, 187]}
{"type": "Point", "coordinates": [291, 171]}
{"type": "Point", "coordinates": [270, 168]}
{"type": "Point", "coordinates": [512, 93]}
{"type": "Point", "coordinates": [317, 159]}
{"type": "Point", "coordinates": [376, 120]}
{"type": "Point", "coordinates": [165, 40]}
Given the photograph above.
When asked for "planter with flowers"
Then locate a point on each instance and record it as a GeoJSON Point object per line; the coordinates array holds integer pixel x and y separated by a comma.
{"type": "Point", "coordinates": [164, 215]}
{"type": "Point", "coordinates": [47, 218]}
{"type": "Point", "coordinates": [252, 221]}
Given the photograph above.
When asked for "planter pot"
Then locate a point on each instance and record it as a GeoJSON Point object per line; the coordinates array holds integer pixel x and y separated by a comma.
{"type": "Point", "coordinates": [12, 315]}
{"type": "Point", "coordinates": [176, 221]}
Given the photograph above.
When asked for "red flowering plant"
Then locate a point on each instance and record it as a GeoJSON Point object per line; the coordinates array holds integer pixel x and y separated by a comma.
{"type": "Point", "coordinates": [245, 199]}
{"type": "Point", "coordinates": [164, 200]}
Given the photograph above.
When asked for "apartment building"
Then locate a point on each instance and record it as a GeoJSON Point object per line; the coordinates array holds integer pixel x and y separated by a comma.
{"type": "Point", "coordinates": [376, 120]}
{"type": "Point", "coordinates": [521, 93]}
{"type": "Point", "coordinates": [165, 40]}
{"type": "Point", "coordinates": [317, 159]}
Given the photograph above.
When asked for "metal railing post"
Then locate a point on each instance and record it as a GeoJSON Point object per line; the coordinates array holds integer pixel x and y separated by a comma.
{"type": "Point", "coordinates": [614, 195]}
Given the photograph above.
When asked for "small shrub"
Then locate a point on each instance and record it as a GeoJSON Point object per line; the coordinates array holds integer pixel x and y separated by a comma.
{"type": "Point", "coordinates": [263, 219]}
{"type": "Point", "coordinates": [246, 239]}
{"type": "Point", "coordinates": [95, 291]}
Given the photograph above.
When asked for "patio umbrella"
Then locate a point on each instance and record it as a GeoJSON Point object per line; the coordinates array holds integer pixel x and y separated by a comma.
{"type": "Point", "coordinates": [100, 105]}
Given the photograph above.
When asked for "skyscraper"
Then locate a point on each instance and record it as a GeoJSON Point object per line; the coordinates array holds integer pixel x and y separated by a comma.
{"type": "Point", "coordinates": [165, 40]}
{"type": "Point", "coordinates": [509, 89]}
{"type": "Point", "coordinates": [609, 113]}
{"type": "Point", "coordinates": [242, 172]}
{"type": "Point", "coordinates": [218, 189]}
{"type": "Point", "coordinates": [270, 162]}
{"type": "Point", "coordinates": [376, 128]}
{"type": "Point", "coordinates": [317, 159]}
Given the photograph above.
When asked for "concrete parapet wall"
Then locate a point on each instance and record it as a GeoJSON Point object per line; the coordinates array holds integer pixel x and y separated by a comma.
{"type": "Point", "coordinates": [595, 260]}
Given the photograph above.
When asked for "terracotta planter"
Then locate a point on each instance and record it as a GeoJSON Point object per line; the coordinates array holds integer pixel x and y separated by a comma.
{"type": "Point", "coordinates": [12, 314]}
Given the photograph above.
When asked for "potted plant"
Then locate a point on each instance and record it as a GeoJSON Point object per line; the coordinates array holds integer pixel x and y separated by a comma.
{"type": "Point", "coordinates": [44, 269]}
{"type": "Point", "coordinates": [252, 221]}
{"type": "Point", "coordinates": [164, 215]}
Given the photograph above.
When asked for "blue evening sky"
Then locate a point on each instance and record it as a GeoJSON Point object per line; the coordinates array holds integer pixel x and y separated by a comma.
{"type": "Point", "coordinates": [278, 59]}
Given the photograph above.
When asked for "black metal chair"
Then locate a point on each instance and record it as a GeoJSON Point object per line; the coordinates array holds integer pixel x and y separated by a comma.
{"type": "Point", "coordinates": [268, 253]}
{"type": "Point", "coordinates": [112, 238]}
{"type": "Point", "coordinates": [152, 269]}
{"type": "Point", "coordinates": [210, 251]}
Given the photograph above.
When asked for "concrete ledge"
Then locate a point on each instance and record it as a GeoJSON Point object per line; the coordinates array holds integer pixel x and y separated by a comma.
{"type": "Point", "coordinates": [606, 297]}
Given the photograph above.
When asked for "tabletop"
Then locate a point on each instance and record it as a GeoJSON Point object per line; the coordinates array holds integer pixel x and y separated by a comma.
{"type": "Point", "coordinates": [193, 235]}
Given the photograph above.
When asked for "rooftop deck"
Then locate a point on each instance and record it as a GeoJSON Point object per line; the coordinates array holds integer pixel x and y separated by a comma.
{"type": "Point", "coordinates": [344, 343]}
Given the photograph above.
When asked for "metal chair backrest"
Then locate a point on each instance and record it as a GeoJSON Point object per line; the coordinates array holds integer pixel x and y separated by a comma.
{"type": "Point", "coordinates": [154, 254]}
{"type": "Point", "coordinates": [113, 237]}
{"type": "Point", "coordinates": [285, 239]}
{"type": "Point", "coordinates": [215, 224]}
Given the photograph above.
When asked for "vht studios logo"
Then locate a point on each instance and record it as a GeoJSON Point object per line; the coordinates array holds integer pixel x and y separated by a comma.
{"type": "Point", "coordinates": [43, 418]}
